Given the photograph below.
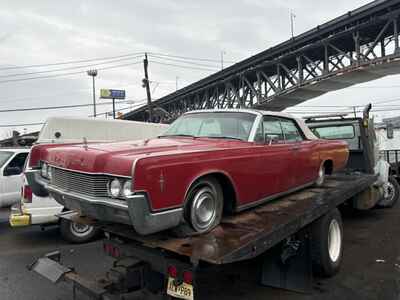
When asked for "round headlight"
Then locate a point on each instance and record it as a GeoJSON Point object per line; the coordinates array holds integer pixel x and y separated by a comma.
{"type": "Point", "coordinates": [127, 188]}
{"type": "Point", "coordinates": [44, 170]}
{"type": "Point", "coordinates": [115, 188]}
{"type": "Point", "coordinates": [49, 172]}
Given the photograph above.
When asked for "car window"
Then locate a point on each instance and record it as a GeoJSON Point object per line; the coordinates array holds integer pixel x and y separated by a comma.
{"type": "Point", "coordinates": [4, 156]}
{"type": "Point", "coordinates": [236, 125]}
{"type": "Point", "coordinates": [334, 132]}
{"type": "Point", "coordinates": [18, 161]}
{"type": "Point", "coordinates": [273, 130]}
{"type": "Point", "coordinates": [290, 131]}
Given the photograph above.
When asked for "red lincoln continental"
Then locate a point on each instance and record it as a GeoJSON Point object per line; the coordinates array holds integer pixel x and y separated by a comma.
{"type": "Point", "coordinates": [207, 163]}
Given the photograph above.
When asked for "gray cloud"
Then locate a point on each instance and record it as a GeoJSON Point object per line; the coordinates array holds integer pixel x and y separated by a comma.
{"type": "Point", "coordinates": [38, 32]}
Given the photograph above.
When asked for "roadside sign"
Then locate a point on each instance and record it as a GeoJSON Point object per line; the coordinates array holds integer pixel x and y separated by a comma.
{"type": "Point", "coordinates": [112, 94]}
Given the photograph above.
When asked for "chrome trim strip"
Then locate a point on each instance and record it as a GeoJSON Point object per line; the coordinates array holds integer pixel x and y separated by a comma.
{"type": "Point", "coordinates": [102, 201]}
{"type": "Point", "coordinates": [272, 197]}
{"type": "Point", "coordinates": [89, 173]}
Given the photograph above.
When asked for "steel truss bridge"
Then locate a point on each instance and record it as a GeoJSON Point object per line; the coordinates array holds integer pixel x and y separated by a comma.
{"type": "Point", "coordinates": [359, 46]}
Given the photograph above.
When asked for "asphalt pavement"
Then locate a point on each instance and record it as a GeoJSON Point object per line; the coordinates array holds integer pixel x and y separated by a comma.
{"type": "Point", "coordinates": [370, 270]}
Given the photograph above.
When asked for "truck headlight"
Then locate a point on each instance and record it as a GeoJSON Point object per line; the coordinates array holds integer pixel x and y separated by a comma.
{"type": "Point", "coordinates": [44, 170]}
{"type": "Point", "coordinates": [115, 188]}
{"type": "Point", "coordinates": [127, 189]}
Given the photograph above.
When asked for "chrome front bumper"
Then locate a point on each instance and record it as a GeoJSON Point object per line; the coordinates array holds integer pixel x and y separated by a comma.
{"type": "Point", "coordinates": [134, 211]}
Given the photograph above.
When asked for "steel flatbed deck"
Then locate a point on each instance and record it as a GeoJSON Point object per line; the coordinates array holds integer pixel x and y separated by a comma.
{"type": "Point", "coordinates": [143, 262]}
{"type": "Point", "coordinates": [250, 233]}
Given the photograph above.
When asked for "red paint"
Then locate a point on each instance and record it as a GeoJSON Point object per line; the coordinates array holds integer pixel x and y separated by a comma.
{"type": "Point", "coordinates": [166, 167]}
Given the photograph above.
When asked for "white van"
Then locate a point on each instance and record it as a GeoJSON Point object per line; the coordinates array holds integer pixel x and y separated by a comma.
{"type": "Point", "coordinates": [36, 210]}
{"type": "Point", "coordinates": [12, 162]}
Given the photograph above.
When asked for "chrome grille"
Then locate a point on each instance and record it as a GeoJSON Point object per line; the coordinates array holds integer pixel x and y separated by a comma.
{"type": "Point", "coordinates": [86, 184]}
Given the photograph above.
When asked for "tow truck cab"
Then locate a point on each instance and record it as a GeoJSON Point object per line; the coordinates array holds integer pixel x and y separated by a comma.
{"type": "Point", "coordinates": [359, 133]}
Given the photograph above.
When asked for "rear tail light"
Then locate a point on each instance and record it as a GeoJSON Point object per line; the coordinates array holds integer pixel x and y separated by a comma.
{"type": "Point", "coordinates": [172, 271]}
{"type": "Point", "coordinates": [27, 194]}
{"type": "Point", "coordinates": [188, 277]}
{"type": "Point", "coordinates": [111, 250]}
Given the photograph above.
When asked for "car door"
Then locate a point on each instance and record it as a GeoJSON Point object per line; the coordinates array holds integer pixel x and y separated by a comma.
{"type": "Point", "coordinates": [275, 159]}
{"type": "Point", "coordinates": [12, 184]}
{"type": "Point", "coordinates": [303, 154]}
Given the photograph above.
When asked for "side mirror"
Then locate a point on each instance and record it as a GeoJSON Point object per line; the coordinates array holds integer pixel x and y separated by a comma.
{"type": "Point", "coordinates": [9, 171]}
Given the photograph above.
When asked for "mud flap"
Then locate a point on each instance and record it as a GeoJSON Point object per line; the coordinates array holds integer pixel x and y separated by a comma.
{"type": "Point", "coordinates": [289, 266]}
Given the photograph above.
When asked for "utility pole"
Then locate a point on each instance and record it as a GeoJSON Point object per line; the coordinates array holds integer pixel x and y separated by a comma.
{"type": "Point", "coordinates": [354, 111]}
{"type": "Point", "coordinates": [93, 74]}
{"type": "Point", "coordinates": [292, 17]}
{"type": "Point", "coordinates": [146, 84]}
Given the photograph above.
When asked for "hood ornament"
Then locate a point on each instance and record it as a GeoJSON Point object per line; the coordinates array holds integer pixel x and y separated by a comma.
{"type": "Point", "coordinates": [85, 145]}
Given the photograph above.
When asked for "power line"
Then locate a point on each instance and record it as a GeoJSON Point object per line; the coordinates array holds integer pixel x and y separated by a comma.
{"type": "Point", "coordinates": [67, 68]}
{"type": "Point", "coordinates": [190, 58]}
{"type": "Point", "coordinates": [54, 107]}
{"type": "Point", "coordinates": [183, 66]}
{"type": "Point", "coordinates": [69, 62]}
{"type": "Point", "coordinates": [184, 61]}
{"type": "Point", "coordinates": [67, 74]}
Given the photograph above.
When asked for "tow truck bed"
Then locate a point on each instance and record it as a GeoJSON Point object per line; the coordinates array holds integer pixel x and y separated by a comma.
{"type": "Point", "coordinates": [141, 259]}
{"type": "Point", "coordinates": [248, 234]}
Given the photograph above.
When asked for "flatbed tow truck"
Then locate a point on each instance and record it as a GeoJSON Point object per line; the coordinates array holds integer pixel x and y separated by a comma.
{"type": "Point", "coordinates": [293, 237]}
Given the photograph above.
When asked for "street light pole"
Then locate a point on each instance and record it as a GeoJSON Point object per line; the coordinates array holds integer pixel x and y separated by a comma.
{"type": "Point", "coordinates": [93, 74]}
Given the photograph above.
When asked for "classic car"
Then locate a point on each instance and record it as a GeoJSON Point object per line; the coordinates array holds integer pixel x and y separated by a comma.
{"type": "Point", "coordinates": [206, 164]}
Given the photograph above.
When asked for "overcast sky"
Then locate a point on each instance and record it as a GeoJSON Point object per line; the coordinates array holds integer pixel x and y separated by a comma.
{"type": "Point", "coordinates": [46, 32]}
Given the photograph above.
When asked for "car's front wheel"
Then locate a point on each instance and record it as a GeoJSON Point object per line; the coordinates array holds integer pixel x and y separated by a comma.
{"type": "Point", "coordinates": [77, 233]}
{"type": "Point", "coordinates": [203, 209]}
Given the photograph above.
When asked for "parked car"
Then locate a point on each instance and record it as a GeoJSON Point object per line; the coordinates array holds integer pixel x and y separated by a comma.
{"type": "Point", "coordinates": [36, 207]}
{"type": "Point", "coordinates": [204, 164]}
{"type": "Point", "coordinates": [11, 165]}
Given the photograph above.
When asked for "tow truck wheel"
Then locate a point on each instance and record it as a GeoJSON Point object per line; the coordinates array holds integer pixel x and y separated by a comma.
{"type": "Point", "coordinates": [77, 233]}
{"type": "Point", "coordinates": [327, 244]}
{"type": "Point", "coordinates": [392, 193]}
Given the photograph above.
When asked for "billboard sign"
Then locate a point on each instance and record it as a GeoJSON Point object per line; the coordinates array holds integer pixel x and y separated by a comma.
{"type": "Point", "coordinates": [112, 94]}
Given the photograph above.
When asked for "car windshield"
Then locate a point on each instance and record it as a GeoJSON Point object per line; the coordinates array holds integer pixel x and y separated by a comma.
{"type": "Point", "coordinates": [228, 125]}
{"type": "Point", "coordinates": [4, 156]}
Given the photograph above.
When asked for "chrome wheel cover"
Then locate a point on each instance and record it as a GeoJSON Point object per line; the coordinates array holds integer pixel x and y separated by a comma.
{"type": "Point", "coordinates": [321, 175]}
{"type": "Point", "coordinates": [334, 240]}
{"type": "Point", "coordinates": [389, 191]}
{"type": "Point", "coordinates": [80, 230]}
{"type": "Point", "coordinates": [203, 209]}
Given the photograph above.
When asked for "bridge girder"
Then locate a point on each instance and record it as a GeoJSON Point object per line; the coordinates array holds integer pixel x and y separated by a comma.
{"type": "Point", "coordinates": [336, 56]}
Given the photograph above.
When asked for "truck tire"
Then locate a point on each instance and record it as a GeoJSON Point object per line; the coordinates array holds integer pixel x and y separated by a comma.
{"type": "Point", "coordinates": [327, 244]}
{"type": "Point", "coordinates": [77, 233]}
{"type": "Point", "coordinates": [393, 193]}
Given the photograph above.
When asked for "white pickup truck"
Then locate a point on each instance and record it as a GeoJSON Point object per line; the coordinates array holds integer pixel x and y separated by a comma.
{"type": "Point", "coordinates": [12, 162]}
{"type": "Point", "coordinates": [38, 210]}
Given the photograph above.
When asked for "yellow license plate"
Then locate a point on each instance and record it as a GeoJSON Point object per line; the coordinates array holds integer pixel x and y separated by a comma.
{"type": "Point", "coordinates": [182, 291]}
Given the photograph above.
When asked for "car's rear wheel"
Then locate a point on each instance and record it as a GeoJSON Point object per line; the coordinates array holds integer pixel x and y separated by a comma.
{"type": "Point", "coordinates": [204, 206]}
{"type": "Point", "coordinates": [321, 176]}
{"type": "Point", "coordinates": [77, 233]}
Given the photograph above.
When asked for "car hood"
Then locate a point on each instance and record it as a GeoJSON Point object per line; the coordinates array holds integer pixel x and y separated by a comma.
{"type": "Point", "coordinates": [117, 158]}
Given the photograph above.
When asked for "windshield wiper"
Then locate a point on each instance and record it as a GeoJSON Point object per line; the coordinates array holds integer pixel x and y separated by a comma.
{"type": "Point", "coordinates": [172, 135]}
{"type": "Point", "coordinates": [222, 137]}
